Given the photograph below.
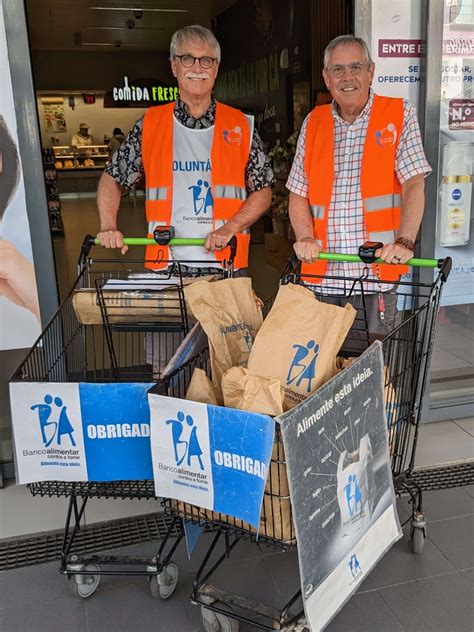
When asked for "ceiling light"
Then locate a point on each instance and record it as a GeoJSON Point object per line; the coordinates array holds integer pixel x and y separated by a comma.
{"type": "Point", "coordinates": [122, 28]}
{"type": "Point", "coordinates": [113, 44]}
{"type": "Point", "coordinates": [139, 9]}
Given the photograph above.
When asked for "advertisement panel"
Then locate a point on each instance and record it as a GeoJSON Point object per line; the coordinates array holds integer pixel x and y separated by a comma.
{"type": "Point", "coordinates": [19, 308]}
{"type": "Point", "coordinates": [340, 485]}
{"type": "Point", "coordinates": [398, 49]}
{"type": "Point", "coordinates": [66, 432]}
{"type": "Point", "coordinates": [210, 456]}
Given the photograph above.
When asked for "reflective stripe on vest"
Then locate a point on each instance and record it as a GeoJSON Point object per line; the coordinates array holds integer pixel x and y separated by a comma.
{"type": "Point", "coordinates": [386, 237]}
{"type": "Point", "coordinates": [380, 189]}
{"type": "Point", "coordinates": [228, 159]}
{"type": "Point", "coordinates": [379, 202]}
{"type": "Point", "coordinates": [317, 211]}
{"type": "Point", "coordinates": [156, 193]}
{"type": "Point", "coordinates": [229, 192]}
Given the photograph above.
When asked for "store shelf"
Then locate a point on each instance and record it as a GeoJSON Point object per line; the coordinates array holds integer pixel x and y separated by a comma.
{"type": "Point", "coordinates": [81, 169]}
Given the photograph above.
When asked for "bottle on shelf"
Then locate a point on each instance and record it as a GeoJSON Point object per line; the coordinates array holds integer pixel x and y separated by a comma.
{"type": "Point", "coordinates": [456, 194]}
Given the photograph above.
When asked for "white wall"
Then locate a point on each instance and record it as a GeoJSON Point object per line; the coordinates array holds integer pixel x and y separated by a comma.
{"type": "Point", "coordinates": [102, 121]}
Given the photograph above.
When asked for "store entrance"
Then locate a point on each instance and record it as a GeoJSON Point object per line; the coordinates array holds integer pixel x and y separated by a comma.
{"type": "Point", "coordinates": [98, 66]}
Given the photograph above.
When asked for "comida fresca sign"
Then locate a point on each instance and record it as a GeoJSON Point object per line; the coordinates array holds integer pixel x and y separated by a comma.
{"type": "Point", "coordinates": [138, 93]}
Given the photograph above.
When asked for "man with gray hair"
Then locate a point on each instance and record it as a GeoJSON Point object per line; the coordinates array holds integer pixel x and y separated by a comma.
{"type": "Point", "coordinates": [204, 164]}
{"type": "Point", "coordinates": [358, 175]}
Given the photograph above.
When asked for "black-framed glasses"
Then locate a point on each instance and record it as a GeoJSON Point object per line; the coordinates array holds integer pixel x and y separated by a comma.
{"type": "Point", "coordinates": [355, 69]}
{"type": "Point", "coordinates": [188, 61]}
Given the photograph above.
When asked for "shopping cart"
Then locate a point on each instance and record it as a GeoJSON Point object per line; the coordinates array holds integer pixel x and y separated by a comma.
{"type": "Point", "coordinates": [127, 341]}
{"type": "Point", "coordinates": [407, 348]}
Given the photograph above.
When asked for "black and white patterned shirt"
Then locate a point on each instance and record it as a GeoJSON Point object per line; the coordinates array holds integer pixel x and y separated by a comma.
{"type": "Point", "coordinates": [126, 165]}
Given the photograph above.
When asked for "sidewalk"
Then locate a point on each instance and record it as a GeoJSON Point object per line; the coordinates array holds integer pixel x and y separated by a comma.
{"type": "Point", "coordinates": [431, 592]}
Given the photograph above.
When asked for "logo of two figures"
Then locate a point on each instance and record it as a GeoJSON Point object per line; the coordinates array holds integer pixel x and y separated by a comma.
{"type": "Point", "coordinates": [202, 196]}
{"type": "Point", "coordinates": [353, 495]}
{"type": "Point", "coordinates": [303, 365]}
{"type": "Point", "coordinates": [185, 448]}
{"type": "Point", "coordinates": [53, 428]}
{"type": "Point", "coordinates": [354, 565]}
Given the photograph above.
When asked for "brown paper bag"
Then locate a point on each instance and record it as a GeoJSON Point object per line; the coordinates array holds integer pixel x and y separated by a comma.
{"type": "Point", "coordinates": [276, 515]}
{"type": "Point", "coordinates": [299, 341]}
{"type": "Point", "coordinates": [201, 389]}
{"type": "Point", "coordinates": [246, 391]}
{"type": "Point", "coordinates": [231, 318]}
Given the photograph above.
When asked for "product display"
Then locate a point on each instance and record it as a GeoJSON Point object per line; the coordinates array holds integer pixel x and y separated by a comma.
{"type": "Point", "coordinates": [456, 194]}
{"type": "Point", "coordinates": [51, 181]}
{"type": "Point", "coordinates": [81, 157]}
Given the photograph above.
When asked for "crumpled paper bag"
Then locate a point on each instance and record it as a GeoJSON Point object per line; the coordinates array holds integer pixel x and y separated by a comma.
{"type": "Point", "coordinates": [246, 391]}
{"type": "Point", "coordinates": [231, 317]}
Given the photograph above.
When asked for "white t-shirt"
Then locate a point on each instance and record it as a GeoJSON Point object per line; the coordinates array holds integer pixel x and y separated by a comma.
{"type": "Point", "coordinates": [193, 202]}
{"type": "Point", "coordinates": [79, 141]}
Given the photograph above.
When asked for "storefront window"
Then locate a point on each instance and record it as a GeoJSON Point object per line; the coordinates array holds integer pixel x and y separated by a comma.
{"type": "Point", "coordinates": [453, 360]}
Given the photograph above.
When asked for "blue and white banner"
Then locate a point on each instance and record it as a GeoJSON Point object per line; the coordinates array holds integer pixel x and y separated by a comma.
{"type": "Point", "coordinates": [81, 432]}
{"type": "Point", "coordinates": [213, 457]}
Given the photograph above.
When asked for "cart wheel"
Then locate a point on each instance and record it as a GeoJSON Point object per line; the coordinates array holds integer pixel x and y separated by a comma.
{"type": "Point", "coordinates": [163, 584]}
{"type": "Point", "coordinates": [417, 540]}
{"type": "Point", "coordinates": [83, 585]}
{"type": "Point", "coordinates": [217, 622]}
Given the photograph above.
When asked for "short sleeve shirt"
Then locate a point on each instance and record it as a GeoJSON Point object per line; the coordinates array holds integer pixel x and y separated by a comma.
{"type": "Point", "coordinates": [126, 165]}
{"type": "Point", "coordinates": [346, 226]}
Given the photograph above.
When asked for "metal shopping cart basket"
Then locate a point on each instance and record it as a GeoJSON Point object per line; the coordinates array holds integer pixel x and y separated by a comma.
{"type": "Point", "coordinates": [408, 311]}
{"type": "Point", "coordinates": [125, 335]}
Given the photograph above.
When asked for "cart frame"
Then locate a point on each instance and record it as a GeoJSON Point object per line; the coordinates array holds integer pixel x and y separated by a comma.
{"type": "Point", "coordinates": [407, 350]}
{"type": "Point", "coordinates": [112, 350]}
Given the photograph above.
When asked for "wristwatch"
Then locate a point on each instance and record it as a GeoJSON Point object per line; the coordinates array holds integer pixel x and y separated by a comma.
{"type": "Point", "coordinates": [406, 243]}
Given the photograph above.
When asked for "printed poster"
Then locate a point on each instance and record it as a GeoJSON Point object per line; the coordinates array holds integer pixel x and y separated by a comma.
{"type": "Point", "coordinates": [81, 432]}
{"type": "Point", "coordinates": [398, 49]}
{"type": "Point", "coordinates": [340, 485]}
{"type": "Point", "coordinates": [213, 457]}
{"type": "Point", "coordinates": [19, 307]}
{"type": "Point", "coordinates": [54, 117]}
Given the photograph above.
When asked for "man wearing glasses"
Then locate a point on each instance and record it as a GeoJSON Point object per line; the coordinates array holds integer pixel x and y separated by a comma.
{"type": "Point", "coordinates": [358, 173]}
{"type": "Point", "coordinates": [204, 165]}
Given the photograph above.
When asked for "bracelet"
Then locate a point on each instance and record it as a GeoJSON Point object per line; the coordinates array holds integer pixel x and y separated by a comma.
{"type": "Point", "coordinates": [406, 243]}
{"type": "Point", "coordinates": [107, 230]}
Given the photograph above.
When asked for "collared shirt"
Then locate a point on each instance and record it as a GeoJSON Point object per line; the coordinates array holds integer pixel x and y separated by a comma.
{"type": "Point", "coordinates": [126, 165]}
{"type": "Point", "coordinates": [346, 227]}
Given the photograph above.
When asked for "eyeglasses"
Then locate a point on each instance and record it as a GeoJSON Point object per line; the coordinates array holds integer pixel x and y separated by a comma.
{"type": "Point", "coordinates": [188, 61]}
{"type": "Point", "coordinates": [340, 69]}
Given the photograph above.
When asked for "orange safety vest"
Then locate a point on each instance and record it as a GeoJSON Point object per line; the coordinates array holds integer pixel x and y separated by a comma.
{"type": "Point", "coordinates": [380, 188]}
{"type": "Point", "coordinates": [229, 156]}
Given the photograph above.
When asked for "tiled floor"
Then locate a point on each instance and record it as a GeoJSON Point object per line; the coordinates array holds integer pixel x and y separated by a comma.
{"type": "Point", "coordinates": [440, 443]}
{"type": "Point", "coordinates": [431, 592]}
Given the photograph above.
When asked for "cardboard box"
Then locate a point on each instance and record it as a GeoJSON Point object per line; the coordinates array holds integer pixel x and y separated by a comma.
{"type": "Point", "coordinates": [150, 305]}
{"type": "Point", "coordinates": [277, 251]}
{"type": "Point", "coordinates": [276, 520]}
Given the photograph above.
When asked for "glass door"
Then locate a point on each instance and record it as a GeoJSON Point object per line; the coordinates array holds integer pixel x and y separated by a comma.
{"type": "Point", "coordinates": [452, 367]}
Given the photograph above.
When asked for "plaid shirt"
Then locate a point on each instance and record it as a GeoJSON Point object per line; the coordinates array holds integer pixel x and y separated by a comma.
{"type": "Point", "coordinates": [346, 228]}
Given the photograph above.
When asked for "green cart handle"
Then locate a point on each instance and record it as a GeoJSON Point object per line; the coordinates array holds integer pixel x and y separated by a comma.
{"type": "Point", "coordinates": [443, 265]}
{"type": "Point", "coordinates": [414, 263]}
{"type": "Point", "coordinates": [148, 241]}
{"type": "Point", "coordinates": [90, 241]}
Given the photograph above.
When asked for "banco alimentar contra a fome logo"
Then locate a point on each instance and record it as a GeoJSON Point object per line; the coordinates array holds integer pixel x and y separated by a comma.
{"type": "Point", "coordinates": [54, 421]}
